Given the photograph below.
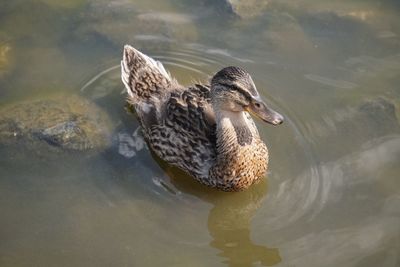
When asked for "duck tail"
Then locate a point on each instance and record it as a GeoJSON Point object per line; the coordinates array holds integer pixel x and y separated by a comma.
{"type": "Point", "coordinates": [143, 76]}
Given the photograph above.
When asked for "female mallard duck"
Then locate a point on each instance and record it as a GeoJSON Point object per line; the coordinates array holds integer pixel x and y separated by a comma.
{"type": "Point", "coordinates": [204, 130]}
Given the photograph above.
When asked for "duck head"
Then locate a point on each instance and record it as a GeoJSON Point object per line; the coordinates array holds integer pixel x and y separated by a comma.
{"type": "Point", "coordinates": [233, 90]}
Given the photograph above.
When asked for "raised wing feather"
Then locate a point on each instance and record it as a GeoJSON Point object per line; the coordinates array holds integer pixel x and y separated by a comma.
{"type": "Point", "coordinates": [143, 76]}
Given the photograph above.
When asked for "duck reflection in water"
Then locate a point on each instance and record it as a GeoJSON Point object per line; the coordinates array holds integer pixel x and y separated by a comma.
{"type": "Point", "coordinates": [229, 220]}
{"type": "Point", "coordinates": [229, 225]}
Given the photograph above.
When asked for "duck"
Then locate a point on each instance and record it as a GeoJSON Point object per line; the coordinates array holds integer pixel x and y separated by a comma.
{"type": "Point", "coordinates": [207, 129]}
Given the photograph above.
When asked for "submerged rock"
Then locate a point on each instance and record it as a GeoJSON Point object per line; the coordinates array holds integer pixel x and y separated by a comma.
{"type": "Point", "coordinates": [6, 58]}
{"type": "Point", "coordinates": [123, 22]}
{"type": "Point", "coordinates": [70, 4]}
{"type": "Point", "coordinates": [35, 22]}
{"type": "Point", "coordinates": [244, 8]}
{"type": "Point", "coordinates": [355, 126]}
{"type": "Point", "coordinates": [55, 124]}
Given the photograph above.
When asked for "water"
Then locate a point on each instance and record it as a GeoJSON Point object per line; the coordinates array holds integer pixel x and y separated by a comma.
{"type": "Point", "coordinates": [332, 194]}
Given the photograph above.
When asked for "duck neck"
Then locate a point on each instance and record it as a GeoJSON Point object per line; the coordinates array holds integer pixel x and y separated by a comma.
{"type": "Point", "coordinates": [234, 130]}
{"type": "Point", "coordinates": [233, 170]}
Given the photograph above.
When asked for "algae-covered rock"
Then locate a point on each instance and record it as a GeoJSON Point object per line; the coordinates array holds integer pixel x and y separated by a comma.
{"type": "Point", "coordinates": [60, 123]}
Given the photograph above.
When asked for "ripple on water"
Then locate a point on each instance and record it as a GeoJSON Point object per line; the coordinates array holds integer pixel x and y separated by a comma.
{"type": "Point", "coordinates": [330, 82]}
{"type": "Point", "coordinates": [197, 62]}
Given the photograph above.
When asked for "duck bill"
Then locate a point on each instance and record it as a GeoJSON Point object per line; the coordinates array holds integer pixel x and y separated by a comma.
{"type": "Point", "coordinates": [260, 110]}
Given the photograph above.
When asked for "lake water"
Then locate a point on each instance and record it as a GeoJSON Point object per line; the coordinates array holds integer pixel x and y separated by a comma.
{"type": "Point", "coordinates": [332, 193]}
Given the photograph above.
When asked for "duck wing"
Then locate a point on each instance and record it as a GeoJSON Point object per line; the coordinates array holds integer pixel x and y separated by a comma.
{"type": "Point", "coordinates": [187, 136]}
{"type": "Point", "coordinates": [178, 123]}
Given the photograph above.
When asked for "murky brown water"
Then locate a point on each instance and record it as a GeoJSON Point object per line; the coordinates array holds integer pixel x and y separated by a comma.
{"type": "Point", "coordinates": [332, 195]}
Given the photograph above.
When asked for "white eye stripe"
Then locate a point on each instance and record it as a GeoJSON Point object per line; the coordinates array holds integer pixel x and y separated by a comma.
{"type": "Point", "coordinates": [257, 98]}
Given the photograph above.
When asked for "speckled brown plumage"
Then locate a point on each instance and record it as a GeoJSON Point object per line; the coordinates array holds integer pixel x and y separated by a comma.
{"type": "Point", "coordinates": [204, 131]}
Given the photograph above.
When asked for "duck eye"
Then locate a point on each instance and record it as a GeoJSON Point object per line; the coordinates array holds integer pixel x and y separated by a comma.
{"type": "Point", "coordinates": [257, 105]}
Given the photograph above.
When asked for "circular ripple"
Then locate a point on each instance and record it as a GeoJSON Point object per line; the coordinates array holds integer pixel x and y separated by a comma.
{"type": "Point", "coordinates": [294, 180]}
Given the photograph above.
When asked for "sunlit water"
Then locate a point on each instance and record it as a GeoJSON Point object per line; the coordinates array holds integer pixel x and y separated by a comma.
{"type": "Point", "coordinates": [332, 194]}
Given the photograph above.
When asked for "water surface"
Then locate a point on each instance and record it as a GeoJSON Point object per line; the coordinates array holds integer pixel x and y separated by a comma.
{"type": "Point", "coordinates": [332, 194]}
